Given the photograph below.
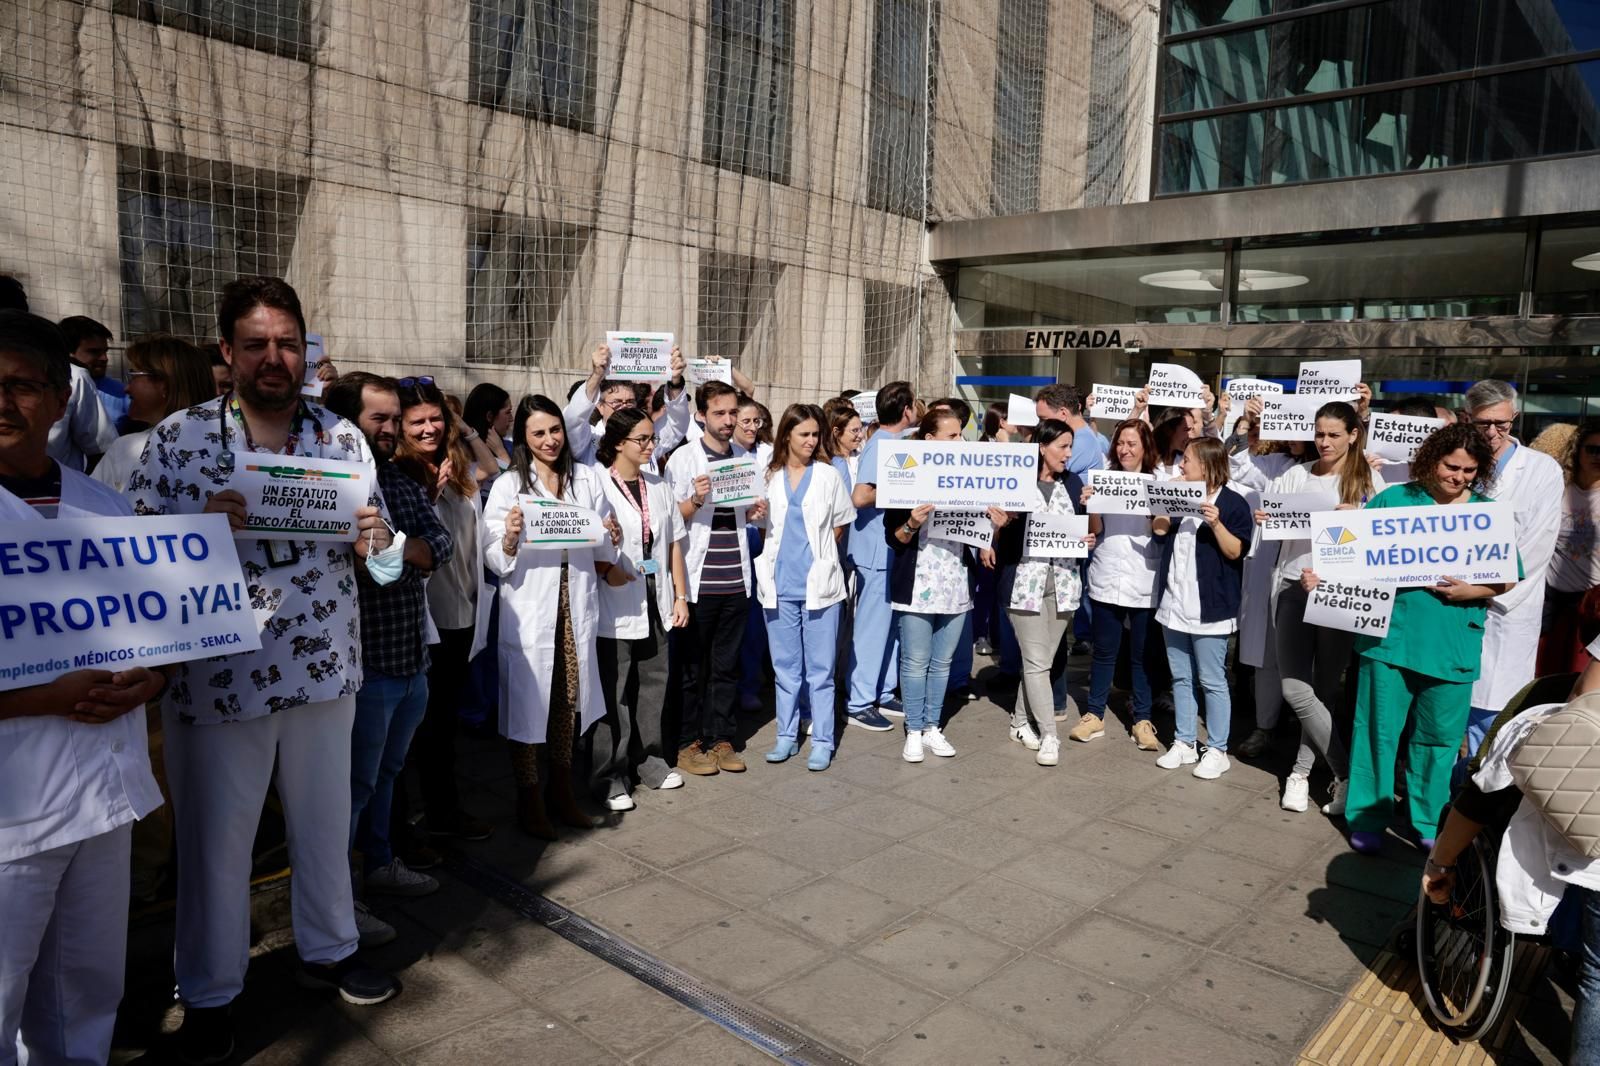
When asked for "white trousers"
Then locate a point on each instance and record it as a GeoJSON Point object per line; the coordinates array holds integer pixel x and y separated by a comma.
{"type": "Point", "coordinates": [219, 776]}
{"type": "Point", "coordinates": [63, 946]}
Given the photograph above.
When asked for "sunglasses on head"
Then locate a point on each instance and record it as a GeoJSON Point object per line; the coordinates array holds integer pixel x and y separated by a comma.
{"type": "Point", "coordinates": [412, 383]}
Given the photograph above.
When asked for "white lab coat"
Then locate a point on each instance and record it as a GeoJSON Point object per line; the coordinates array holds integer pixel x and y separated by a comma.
{"type": "Point", "coordinates": [483, 601]}
{"type": "Point", "coordinates": [624, 614]}
{"type": "Point", "coordinates": [686, 464]}
{"type": "Point", "coordinates": [84, 428]}
{"type": "Point", "coordinates": [1250, 476]}
{"type": "Point", "coordinates": [583, 436]}
{"type": "Point", "coordinates": [1532, 484]}
{"type": "Point", "coordinates": [530, 588]}
{"type": "Point", "coordinates": [826, 506]}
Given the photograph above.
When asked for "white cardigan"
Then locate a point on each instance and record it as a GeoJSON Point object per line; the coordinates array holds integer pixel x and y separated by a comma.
{"type": "Point", "coordinates": [826, 507]}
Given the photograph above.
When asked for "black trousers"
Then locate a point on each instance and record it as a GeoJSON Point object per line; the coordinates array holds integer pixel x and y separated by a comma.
{"type": "Point", "coordinates": [433, 748]}
{"type": "Point", "coordinates": [715, 638]}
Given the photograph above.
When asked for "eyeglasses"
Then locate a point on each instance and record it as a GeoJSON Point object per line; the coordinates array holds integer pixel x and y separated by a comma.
{"type": "Point", "coordinates": [1592, 450]}
{"type": "Point", "coordinates": [1502, 424]}
{"type": "Point", "coordinates": [623, 404]}
{"type": "Point", "coordinates": [752, 423]}
{"type": "Point", "coordinates": [24, 390]}
{"type": "Point", "coordinates": [411, 383]}
{"type": "Point", "coordinates": [645, 442]}
{"type": "Point", "coordinates": [129, 375]}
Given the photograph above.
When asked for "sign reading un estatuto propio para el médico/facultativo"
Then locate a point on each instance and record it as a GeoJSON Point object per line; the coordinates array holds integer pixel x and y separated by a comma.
{"type": "Point", "coordinates": [296, 497]}
{"type": "Point", "coordinates": [959, 474]}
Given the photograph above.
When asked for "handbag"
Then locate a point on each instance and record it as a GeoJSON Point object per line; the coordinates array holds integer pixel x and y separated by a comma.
{"type": "Point", "coordinates": [1557, 767]}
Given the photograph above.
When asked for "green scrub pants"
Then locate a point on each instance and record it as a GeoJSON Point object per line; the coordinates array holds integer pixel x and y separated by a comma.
{"type": "Point", "coordinates": [1386, 697]}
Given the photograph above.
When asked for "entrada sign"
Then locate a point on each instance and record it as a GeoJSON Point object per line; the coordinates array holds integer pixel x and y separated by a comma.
{"type": "Point", "coordinates": [1075, 338]}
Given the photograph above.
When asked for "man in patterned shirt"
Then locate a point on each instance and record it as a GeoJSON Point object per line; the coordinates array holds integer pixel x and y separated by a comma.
{"type": "Point", "coordinates": [228, 719]}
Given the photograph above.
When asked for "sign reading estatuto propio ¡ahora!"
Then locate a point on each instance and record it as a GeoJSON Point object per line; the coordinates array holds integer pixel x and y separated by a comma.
{"type": "Point", "coordinates": [964, 527]}
{"type": "Point", "coordinates": [1396, 438]}
{"type": "Point", "coordinates": [697, 372]}
{"type": "Point", "coordinates": [1289, 417]}
{"type": "Point", "coordinates": [298, 497]}
{"type": "Point", "coordinates": [1176, 499]}
{"type": "Point", "coordinates": [115, 593]}
{"type": "Point", "coordinates": [1119, 492]}
{"type": "Point", "coordinates": [552, 524]}
{"type": "Point", "coordinates": [734, 481]}
{"type": "Point", "coordinates": [1329, 379]}
{"type": "Point", "coordinates": [1350, 607]}
{"type": "Point", "coordinates": [1288, 514]}
{"type": "Point", "coordinates": [958, 474]}
{"type": "Point", "coordinates": [1113, 402]}
{"type": "Point", "coordinates": [1056, 536]}
{"type": "Point", "coordinates": [640, 356]}
{"type": "Point", "coordinates": [1475, 542]}
{"type": "Point", "coordinates": [1171, 385]}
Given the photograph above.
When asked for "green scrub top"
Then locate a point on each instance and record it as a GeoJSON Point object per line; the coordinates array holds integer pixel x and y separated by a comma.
{"type": "Point", "coordinates": [1427, 635]}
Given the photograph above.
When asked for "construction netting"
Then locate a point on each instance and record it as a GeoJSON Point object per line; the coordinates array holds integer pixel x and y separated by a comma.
{"type": "Point", "coordinates": [480, 189]}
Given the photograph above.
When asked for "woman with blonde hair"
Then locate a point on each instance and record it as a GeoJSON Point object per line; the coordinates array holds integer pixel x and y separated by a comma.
{"type": "Point", "coordinates": [165, 375]}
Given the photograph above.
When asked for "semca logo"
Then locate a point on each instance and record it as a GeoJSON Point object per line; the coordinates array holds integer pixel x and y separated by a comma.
{"type": "Point", "coordinates": [1336, 535]}
{"type": "Point", "coordinates": [902, 461]}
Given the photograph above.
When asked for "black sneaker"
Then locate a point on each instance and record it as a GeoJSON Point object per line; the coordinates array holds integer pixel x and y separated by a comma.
{"type": "Point", "coordinates": [869, 719]}
{"type": "Point", "coordinates": [357, 982]}
{"type": "Point", "coordinates": [206, 1036]}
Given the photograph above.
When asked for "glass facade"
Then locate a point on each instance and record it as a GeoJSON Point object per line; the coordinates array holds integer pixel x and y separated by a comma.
{"type": "Point", "coordinates": [1111, 285]}
{"type": "Point", "coordinates": [1254, 93]}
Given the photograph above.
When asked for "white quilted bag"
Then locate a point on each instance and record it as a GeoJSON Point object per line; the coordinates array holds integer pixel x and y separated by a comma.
{"type": "Point", "coordinates": [1558, 769]}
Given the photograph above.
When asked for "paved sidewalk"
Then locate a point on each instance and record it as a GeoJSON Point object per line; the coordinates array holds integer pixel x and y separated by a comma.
{"type": "Point", "coordinates": [980, 909]}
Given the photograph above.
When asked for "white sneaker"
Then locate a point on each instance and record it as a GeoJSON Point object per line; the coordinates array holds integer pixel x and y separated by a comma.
{"type": "Point", "coordinates": [935, 742]}
{"type": "Point", "coordinates": [374, 931]}
{"type": "Point", "coordinates": [623, 802]}
{"type": "Point", "coordinates": [1296, 794]}
{"type": "Point", "coordinates": [805, 727]}
{"type": "Point", "coordinates": [1180, 754]}
{"type": "Point", "coordinates": [1213, 764]}
{"type": "Point", "coordinates": [398, 879]}
{"type": "Point", "coordinates": [1049, 751]}
{"type": "Point", "coordinates": [1023, 734]}
{"type": "Point", "coordinates": [672, 780]}
{"type": "Point", "coordinates": [1335, 806]}
{"type": "Point", "coordinates": [912, 752]}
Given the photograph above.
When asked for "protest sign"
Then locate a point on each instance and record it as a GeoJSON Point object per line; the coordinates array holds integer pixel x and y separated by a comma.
{"type": "Point", "coordinates": [1331, 379]}
{"type": "Point", "coordinates": [1021, 411]}
{"type": "Point", "coordinates": [1241, 389]}
{"type": "Point", "coordinates": [1113, 402]}
{"type": "Point", "coordinates": [1289, 417]}
{"type": "Point", "coordinates": [958, 474]}
{"type": "Point", "coordinates": [116, 593]}
{"type": "Point", "coordinates": [1289, 513]}
{"type": "Point", "coordinates": [552, 524]}
{"type": "Point", "coordinates": [640, 356]}
{"type": "Point", "coordinates": [1176, 499]}
{"type": "Point", "coordinates": [310, 385]}
{"type": "Point", "coordinates": [962, 526]}
{"type": "Point", "coordinates": [697, 372]}
{"type": "Point", "coordinates": [1396, 438]}
{"type": "Point", "coordinates": [1350, 607]}
{"type": "Point", "coordinates": [1475, 542]}
{"type": "Point", "coordinates": [298, 497]}
{"type": "Point", "coordinates": [1056, 536]}
{"type": "Point", "coordinates": [734, 481]}
{"type": "Point", "coordinates": [1172, 385]}
{"type": "Point", "coordinates": [866, 405]}
{"type": "Point", "coordinates": [1119, 492]}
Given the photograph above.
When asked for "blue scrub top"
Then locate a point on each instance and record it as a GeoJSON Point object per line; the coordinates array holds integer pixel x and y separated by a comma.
{"type": "Point", "coordinates": [868, 548]}
{"type": "Point", "coordinates": [794, 556]}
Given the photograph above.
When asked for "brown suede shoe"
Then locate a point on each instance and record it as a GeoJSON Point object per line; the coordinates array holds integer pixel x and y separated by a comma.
{"type": "Point", "coordinates": [1144, 735]}
{"type": "Point", "coordinates": [695, 760]}
{"type": "Point", "coordinates": [727, 758]}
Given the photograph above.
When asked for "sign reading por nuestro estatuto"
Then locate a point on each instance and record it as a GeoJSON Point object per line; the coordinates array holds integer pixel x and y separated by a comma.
{"type": "Point", "coordinates": [961, 474]}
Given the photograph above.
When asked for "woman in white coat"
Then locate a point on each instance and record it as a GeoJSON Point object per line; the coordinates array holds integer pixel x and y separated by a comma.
{"type": "Point", "coordinates": [636, 614]}
{"type": "Point", "coordinates": [800, 581]}
{"type": "Point", "coordinates": [548, 674]}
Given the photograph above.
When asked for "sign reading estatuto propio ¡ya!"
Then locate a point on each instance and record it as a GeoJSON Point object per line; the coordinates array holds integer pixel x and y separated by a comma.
{"type": "Point", "coordinates": [1351, 607]}
{"type": "Point", "coordinates": [734, 481]}
{"type": "Point", "coordinates": [958, 474]}
{"type": "Point", "coordinates": [962, 526]}
{"type": "Point", "coordinates": [1396, 438]}
{"type": "Point", "coordinates": [297, 497]}
{"type": "Point", "coordinates": [1056, 536]}
{"type": "Point", "coordinates": [1113, 402]}
{"type": "Point", "coordinates": [1475, 542]}
{"type": "Point", "coordinates": [640, 356]}
{"type": "Point", "coordinates": [1119, 492]}
{"type": "Point", "coordinates": [1288, 514]}
{"type": "Point", "coordinates": [552, 524]}
{"type": "Point", "coordinates": [115, 593]}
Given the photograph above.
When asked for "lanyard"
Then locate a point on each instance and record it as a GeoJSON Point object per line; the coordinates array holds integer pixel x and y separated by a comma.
{"type": "Point", "coordinates": [642, 504]}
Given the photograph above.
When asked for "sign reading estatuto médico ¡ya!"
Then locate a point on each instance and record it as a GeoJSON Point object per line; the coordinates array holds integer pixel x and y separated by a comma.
{"type": "Point", "coordinates": [1474, 542]}
{"type": "Point", "coordinates": [297, 497]}
{"type": "Point", "coordinates": [552, 524]}
{"type": "Point", "coordinates": [1119, 492]}
{"type": "Point", "coordinates": [958, 474]}
{"type": "Point", "coordinates": [115, 593]}
{"type": "Point", "coordinates": [1351, 607]}
{"type": "Point", "coordinates": [1396, 438]}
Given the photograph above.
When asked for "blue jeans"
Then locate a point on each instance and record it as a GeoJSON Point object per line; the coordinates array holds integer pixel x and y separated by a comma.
{"type": "Point", "coordinates": [1478, 723]}
{"type": "Point", "coordinates": [927, 644]}
{"type": "Point", "coordinates": [804, 645]}
{"type": "Point", "coordinates": [388, 711]}
{"type": "Point", "coordinates": [961, 662]}
{"type": "Point", "coordinates": [1107, 640]}
{"type": "Point", "coordinates": [1205, 658]}
{"type": "Point", "coordinates": [872, 653]}
{"type": "Point", "coordinates": [1586, 1018]}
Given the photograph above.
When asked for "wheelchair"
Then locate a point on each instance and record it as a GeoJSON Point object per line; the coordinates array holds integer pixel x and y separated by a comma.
{"type": "Point", "coordinates": [1464, 955]}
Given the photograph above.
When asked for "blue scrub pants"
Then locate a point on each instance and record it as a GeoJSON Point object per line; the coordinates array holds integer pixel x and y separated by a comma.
{"type": "Point", "coordinates": [874, 653]}
{"type": "Point", "coordinates": [804, 647]}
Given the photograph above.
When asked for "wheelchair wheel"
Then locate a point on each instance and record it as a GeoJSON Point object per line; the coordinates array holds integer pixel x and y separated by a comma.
{"type": "Point", "coordinates": [1463, 953]}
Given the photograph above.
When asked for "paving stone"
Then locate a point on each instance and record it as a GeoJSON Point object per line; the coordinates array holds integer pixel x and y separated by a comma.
{"type": "Point", "coordinates": [821, 844]}
{"type": "Point", "coordinates": [1116, 842]}
{"type": "Point", "coordinates": [891, 815]}
{"type": "Point", "coordinates": [276, 1030]}
{"type": "Point", "coordinates": [569, 872]}
{"type": "Point", "coordinates": [664, 841]}
{"type": "Point", "coordinates": [1262, 843]}
{"type": "Point", "coordinates": [1253, 1002]}
{"type": "Point", "coordinates": [1061, 1006]}
{"type": "Point", "coordinates": [978, 845]}
{"type": "Point", "coordinates": [1071, 876]}
{"type": "Point", "coordinates": [653, 912]}
{"type": "Point", "coordinates": [1161, 1034]}
{"type": "Point", "coordinates": [1358, 916]}
{"type": "Point", "coordinates": [1373, 874]}
{"type": "Point", "coordinates": [1187, 790]}
{"type": "Point", "coordinates": [950, 788]}
{"type": "Point", "coordinates": [850, 1005]}
{"type": "Point", "coordinates": [1027, 814]}
{"type": "Point", "coordinates": [1314, 953]}
{"type": "Point", "coordinates": [745, 817]}
{"type": "Point", "coordinates": [905, 873]}
{"type": "Point", "coordinates": [878, 770]}
{"type": "Point", "coordinates": [955, 1033]}
{"type": "Point", "coordinates": [743, 954]}
{"type": "Point", "coordinates": [1179, 911]}
{"type": "Point", "coordinates": [522, 1035]}
{"type": "Point", "coordinates": [1073, 793]}
{"type": "Point", "coordinates": [704, 1045]}
{"type": "Point", "coordinates": [442, 993]}
{"type": "Point", "coordinates": [936, 954]}
{"type": "Point", "coordinates": [1222, 877]}
{"type": "Point", "coordinates": [1012, 767]}
{"type": "Point", "coordinates": [1122, 953]}
{"type": "Point", "coordinates": [521, 955]}
{"type": "Point", "coordinates": [617, 1010]}
{"type": "Point", "coordinates": [746, 877]}
{"type": "Point", "coordinates": [1156, 813]}
{"type": "Point", "coordinates": [806, 791]}
{"type": "Point", "coordinates": [1007, 911]}
{"type": "Point", "coordinates": [836, 912]}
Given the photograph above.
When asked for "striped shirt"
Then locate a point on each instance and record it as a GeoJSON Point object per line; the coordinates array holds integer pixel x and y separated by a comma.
{"type": "Point", "coordinates": [722, 574]}
{"type": "Point", "coordinates": [43, 494]}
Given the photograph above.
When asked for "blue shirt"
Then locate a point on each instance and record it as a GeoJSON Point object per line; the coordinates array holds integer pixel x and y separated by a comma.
{"type": "Point", "coordinates": [794, 556]}
{"type": "Point", "coordinates": [1088, 451]}
{"type": "Point", "coordinates": [868, 548]}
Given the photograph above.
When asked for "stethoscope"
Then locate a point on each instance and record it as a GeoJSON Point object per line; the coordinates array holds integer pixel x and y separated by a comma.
{"type": "Point", "coordinates": [225, 456]}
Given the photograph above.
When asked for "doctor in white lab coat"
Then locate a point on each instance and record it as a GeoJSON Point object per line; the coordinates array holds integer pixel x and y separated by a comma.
{"type": "Point", "coordinates": [1531, 482]}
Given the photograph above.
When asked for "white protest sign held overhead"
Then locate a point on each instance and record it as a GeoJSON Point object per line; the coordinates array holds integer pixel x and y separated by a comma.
{"type": "Point", "coordinates": [1241, 389]}
{"type": "Point", "coordinates": [1119, 492]}
{"type": "Point", "coordinates": [1289, 513]}
{"type": "Point", "coordinates": [1396, 438]}
{"type": "Point", "coordinates": [1475, 542]}
{"type": "Point", "coordinates": [1056, 536]}
{"type": "Point", "coordinates": [1350, 607]}
{"type": "Point", "coordinates": [1021, 411]}
{"type": "Point", "coordinates": [310, 385]}
{"type": "Point", "coordinates": [697, 372]}
{"type": "Point", "coordinates": [964, 527]}
{"type": "Point", "coordinates": [1289, 417]}
{"type": "Point", "coordinates": [1331, 379]}
{"type": "Point", "coordinates": [1172, 385]}
{"type": "Point", "coordinates": [1176, 499]}
{"type": "Point", "coordinates": [866, 405]}
{"type": "Point", "coordinates": [551, 524]}
{"type": "Point", "coordinates": [298, 497]}
{"type": "Point", "coordinates": [958, 474]}
{"type": "Point", "coordinates": [115, 593]}
{"type": "Point", "coordinates": [1113, 402]}
{"type": "Point", "coordinates": [640, 356]}
{"type": "Point", "coordinates": [734, 481]}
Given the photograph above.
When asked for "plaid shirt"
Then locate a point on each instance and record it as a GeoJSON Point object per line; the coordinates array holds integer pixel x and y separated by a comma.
{"type": "Point", "coordinates": [393, 638]}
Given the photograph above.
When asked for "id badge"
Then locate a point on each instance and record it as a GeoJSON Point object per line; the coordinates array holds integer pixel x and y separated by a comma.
{"type": "Point", "coordinates": [281, 553]}
{"type": "Point", "coordinates": [649, 567]}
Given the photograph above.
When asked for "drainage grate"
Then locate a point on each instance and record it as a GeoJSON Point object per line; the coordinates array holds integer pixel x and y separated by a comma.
{"type": "Point", "coordinates": [775, 1037]}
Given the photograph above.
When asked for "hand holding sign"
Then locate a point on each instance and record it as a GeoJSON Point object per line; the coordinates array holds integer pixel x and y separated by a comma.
{"type": "Point", "coordinates": [734, 481]}
{"type": "Point", "coordinates": [866, 405]}
{"type": "Point", "coordinates": [299, 497]}
{"type": "Point", "coordinates": [1287, 515]}
{"type": "Point", "coordinates": [552, 525]}
{"type": "Point", "coordinates": [1118, 492]}
{"type": "Point", "coordinates": [1350, 607]}
{"type": "Point", "coordinates": [1242, 389]}
{"type": "Point", "coordinates": [962, 527]}
{"type": "Point", "coordinates": [1113, 403]}
{"type": "Point", "coordinates": [640, 356]}
{"type": "Point", "coordinates": [712, 368]}
{"type": "Point", "coordinates": [1396, 438]}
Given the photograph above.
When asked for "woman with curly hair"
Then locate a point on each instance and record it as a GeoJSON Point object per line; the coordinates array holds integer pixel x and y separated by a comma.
{"type": "Point", "coordinates": [1422, 672]}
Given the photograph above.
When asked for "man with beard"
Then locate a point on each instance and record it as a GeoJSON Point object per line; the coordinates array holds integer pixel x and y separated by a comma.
{"type": "Point", "coordinates": [223, 737]}
{"type": "Point", "coordinates": [394, 652]}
